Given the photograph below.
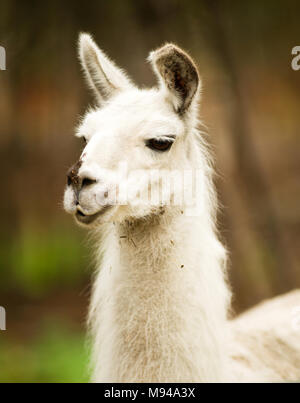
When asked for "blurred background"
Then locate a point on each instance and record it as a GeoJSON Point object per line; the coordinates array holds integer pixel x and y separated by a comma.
{"type": "Point", "coordinates": [250, 104]}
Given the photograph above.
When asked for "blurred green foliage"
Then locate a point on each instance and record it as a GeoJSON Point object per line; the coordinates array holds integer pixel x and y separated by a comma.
{"type": "Point", "coordinates": [56, 354]}
{"type": "Point", "coordinates": [35, 264]}
{"type": "Point", "coordinates": [37, 260]}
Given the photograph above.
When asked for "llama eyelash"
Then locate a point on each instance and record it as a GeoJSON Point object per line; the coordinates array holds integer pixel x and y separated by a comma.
{"type": "Point", "coordinates": [160, 144]}
{"type": "Point", "coordinates": [170, 138]}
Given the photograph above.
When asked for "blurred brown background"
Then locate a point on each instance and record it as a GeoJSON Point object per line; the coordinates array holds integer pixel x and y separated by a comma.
{"type": "Point", "coordinates": [251, 104]}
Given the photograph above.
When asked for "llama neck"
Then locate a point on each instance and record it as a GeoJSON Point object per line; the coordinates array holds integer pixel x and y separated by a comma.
{"type": "Point", "coordinates": [159, 305]}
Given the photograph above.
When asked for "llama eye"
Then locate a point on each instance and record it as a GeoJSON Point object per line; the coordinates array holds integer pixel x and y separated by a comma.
{"type": "Point", "coordinates": [159, 144]}
{"type": "Point", "coordinates": [84, 140]}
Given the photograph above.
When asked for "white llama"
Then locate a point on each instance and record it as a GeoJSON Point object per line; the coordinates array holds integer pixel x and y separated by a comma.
{"type": "Point", "coordinates": [159, 310]}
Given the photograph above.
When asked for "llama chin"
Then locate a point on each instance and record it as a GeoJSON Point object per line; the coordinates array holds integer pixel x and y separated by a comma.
{"type": "Point", "coordinates": [161, 301]}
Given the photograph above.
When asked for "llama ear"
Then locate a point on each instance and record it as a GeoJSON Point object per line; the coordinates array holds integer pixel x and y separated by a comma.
{"type": "Point", "coordinates": [177, 74]}
{"type": "Point", "coordinates": [103, 76]}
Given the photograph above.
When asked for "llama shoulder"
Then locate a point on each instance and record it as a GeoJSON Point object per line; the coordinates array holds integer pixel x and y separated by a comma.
{"type": "Point", "coordinates": [266, 339]}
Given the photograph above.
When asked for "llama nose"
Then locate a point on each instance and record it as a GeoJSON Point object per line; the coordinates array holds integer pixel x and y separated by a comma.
{"type": "Point", "coordinates": [79, 181]}
{"type": "Point", "coordinates": [72, 175]}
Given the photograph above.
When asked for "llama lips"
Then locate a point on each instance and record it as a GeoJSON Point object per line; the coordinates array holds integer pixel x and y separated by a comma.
{"type": "Point", "coordinates": [89, 219]}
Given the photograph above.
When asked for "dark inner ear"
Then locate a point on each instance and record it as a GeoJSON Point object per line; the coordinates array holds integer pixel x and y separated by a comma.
{"type": "Point", "coordinates": [179, 73]}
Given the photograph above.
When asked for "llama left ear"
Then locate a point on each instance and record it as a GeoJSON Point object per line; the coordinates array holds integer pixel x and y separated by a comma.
{"type": "Point", "coordinates": [103, 76]}
{"type": "Point", "coordinates": [178, 75]}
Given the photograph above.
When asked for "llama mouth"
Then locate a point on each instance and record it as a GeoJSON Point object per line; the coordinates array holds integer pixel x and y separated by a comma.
{"type": "Point", "coordinates": [89, 219]}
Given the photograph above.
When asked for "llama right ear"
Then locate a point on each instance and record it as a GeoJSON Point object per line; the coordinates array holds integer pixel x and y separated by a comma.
{"type": "Point", "coordinates": [177, 74]}
{"type": "Point", "coordinates": [103, 76]}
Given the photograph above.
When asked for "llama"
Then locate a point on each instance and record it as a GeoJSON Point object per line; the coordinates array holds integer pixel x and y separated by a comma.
{"type": "Point", "coordinates": [161, 302]}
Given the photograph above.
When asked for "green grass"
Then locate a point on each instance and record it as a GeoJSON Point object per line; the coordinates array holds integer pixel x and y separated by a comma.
{"type": "Point", "coordinates": [57, 354]}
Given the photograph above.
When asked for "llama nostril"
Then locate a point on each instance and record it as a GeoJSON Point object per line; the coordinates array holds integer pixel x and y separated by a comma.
{"type": "Point", "coordinates": [87, 182]}
{"type": "Point", "coordinates": [69, 180]}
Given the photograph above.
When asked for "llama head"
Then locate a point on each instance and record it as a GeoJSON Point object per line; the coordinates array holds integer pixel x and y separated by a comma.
{"type": "Point", "coordinates": [134, 137]}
